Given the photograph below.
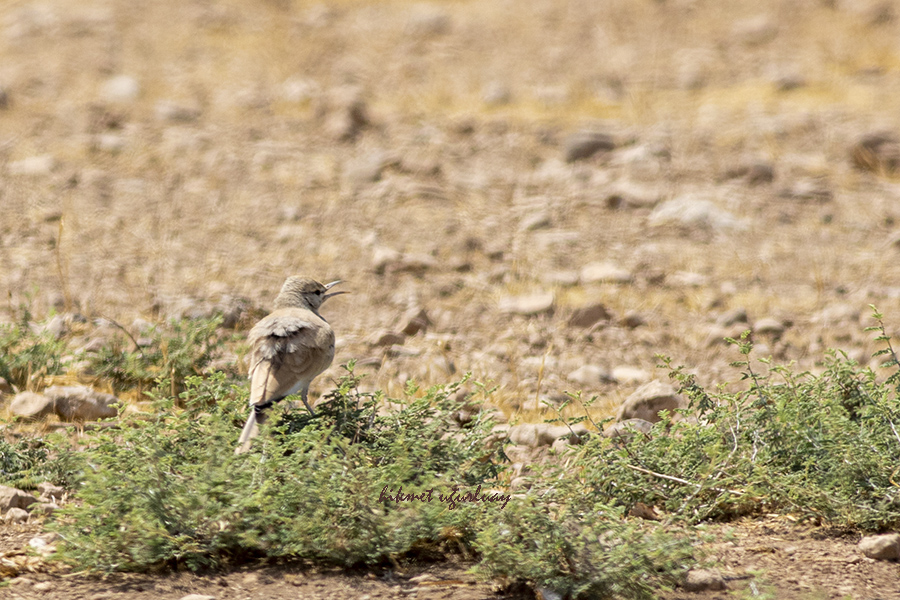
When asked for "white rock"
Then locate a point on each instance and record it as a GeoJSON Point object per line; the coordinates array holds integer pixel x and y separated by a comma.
{"type": "Point", "coordinates": [731, 317]}
{"type": "Point", "coordinates": [692, 211]}
{"type": "Point", "coordinates": [627, 194]}
{"type": "Point", "coordinates": [383, 257]}
{"type": "Point", "coordinates": [428, 20]}
{"type": "Point", "coordinates": [538, 220]}
{"type": "Point", "coordinates": [38, 543]}
{"type": "Point", "coordinates": [197, 597]}
{"type": "Point", "coordinates": [519, 454]}
{"type": "Point", "coordinates": [295, 89]}
{"type": "Point", "coordinates": [33, 166]}
{"type": "Point", "coordinates": [588, 375]}
{"type": "Point", "coordinates": [687, 279]}
{"type": "Point", "coordinates": [31, 405]}
{"type": "Point", "coordinates": [561, 445]}
{"type": "Point", "coordinates": [534, 304]}
{"type": "Point", "coordinates": [692, 67]}
{"type": "Point", "coordinates": [368, 168]}
{"type": "Point", "coordinates": [528, 435]}
{"type": "Point", "coordinates": [626, 374]}
{"type": "Point", "coordinates": [584, 144]}
{"type": "Point", "coordinates": [496, 93]}
{"type": "Point", "coordinates": [57, 327]}
{"type": "Point", "coordinates": [562, 278]}
{"type": "Point", "coordinates": [413, 321]}
{"type": "Point", "coordinates": [768, 326]}
{"type": "Point", "coordinates": [533, 435]}
{"type": "Point", "coordinates": [606, 272]}
{"type": "Point", "coordinates": [633, 319]}
{"type": "Point", "coordinates": [121, 88]}
{"type": "Point", "coordinates": [754, 31]}
{"type": "Point", "coordinates": [109, 142]}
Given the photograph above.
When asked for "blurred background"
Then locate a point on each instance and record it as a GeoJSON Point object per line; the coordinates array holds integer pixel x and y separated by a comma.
{"type": "Point", "coordinates": [546, 193]}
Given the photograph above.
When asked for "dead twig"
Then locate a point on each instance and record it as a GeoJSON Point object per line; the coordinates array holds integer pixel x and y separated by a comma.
{"type": "Point", "coordinates": [681, 481]}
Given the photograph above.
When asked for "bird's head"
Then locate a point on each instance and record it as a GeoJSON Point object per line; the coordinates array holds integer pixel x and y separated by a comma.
{"type": "Point", "coordinates": [303, 292]}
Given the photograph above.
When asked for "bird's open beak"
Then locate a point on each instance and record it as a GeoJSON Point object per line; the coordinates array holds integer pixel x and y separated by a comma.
{"type": "Point", "coordinates": [328, 287]}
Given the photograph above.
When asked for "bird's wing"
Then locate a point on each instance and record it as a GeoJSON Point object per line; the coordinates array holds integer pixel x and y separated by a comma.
{"type": "Point", "coordinates": [286, 348]}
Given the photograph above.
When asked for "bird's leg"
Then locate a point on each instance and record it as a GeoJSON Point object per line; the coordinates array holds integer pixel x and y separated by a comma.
{"type": "Point", "coordinates": [303, 394]}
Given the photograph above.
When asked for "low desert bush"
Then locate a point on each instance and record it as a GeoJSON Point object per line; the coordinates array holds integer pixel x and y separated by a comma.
{"type": "Point", "coordinates": [824, 447]}
{"type": "Point", "coordinates": [165, 488]}
{"type": "Point", "coordinates": [176, 352]}
{"type": "Point", "coordinates": [27, 354]}
{"type": "Point", "coordinates": [170, 491]}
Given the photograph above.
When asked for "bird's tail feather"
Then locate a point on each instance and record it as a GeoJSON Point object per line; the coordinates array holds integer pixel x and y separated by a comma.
{"type": "Point", "coordinates": [250, 431]}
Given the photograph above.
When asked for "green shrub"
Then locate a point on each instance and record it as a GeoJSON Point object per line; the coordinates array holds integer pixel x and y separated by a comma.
{"type": "Point", "coordinates": [30, 461]}
{"type": "Point", "coordinates": [562, 537]}
{"type": "Point", "coordinates": [173, 354]}
{"type": "Point", "coordinates": [26, 356]}
{"type": "Point", "coordinates": [818, 446]}
{"type": "Point", "coordinates": [166, 488]}
{"type": "Point", "coordinates": [170, 491]}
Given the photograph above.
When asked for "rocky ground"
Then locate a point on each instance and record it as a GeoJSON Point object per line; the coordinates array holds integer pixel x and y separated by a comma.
{"type": "Point", "coordinates": [762, 558]}
{"type": "Point", "coordinates": [547, 194]}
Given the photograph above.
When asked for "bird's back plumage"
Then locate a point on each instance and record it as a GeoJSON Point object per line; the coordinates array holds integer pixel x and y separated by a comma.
{"type": "Point", "coordinates": [288, 349]}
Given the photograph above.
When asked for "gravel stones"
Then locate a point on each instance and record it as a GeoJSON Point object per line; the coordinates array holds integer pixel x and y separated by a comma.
{"type": "Point", "coordinates": [121, 88]}
{"type": "Point", "coordinates": [584, 144]}
{"type": "Point", "coordinates": [175, 112]}
{"type": "Point", "coordinates": [753, 173]}
{"type": "Point", "coordinates": [16, 515]}
{"type": "Point", "coordinates": [768, 326]}
{"type": "Point", "coordinates": [79, 403]}
{"type": "Point", "coordinates": [14, 498]}
{"type": "Point", "coordinates": [701, 580]}
{"type": "Point", "coordinates": [31, 405]}
{"type": "Point", "coordinates": [527, 305]}
{"type": "Point", "coordinates": [413, 321]}
{"type": "Point", "coordinates": [694, 211]}
{"type": "Point", "coordinates": [632, 195]}
{"type": "Point", "coordinates": [881, 547]}
{"type": "Point", "coordinates": [626, 430]}
{"type": "Point", "coordinates": [33, 166]}
{"type": "Point", "coordinates": [589, 375]}
{"type": "Point", "coordinates": [648, 400]}
{"type": "Point", "coordinates": [878, 152]}
{"type": "Point", "coordinates": [589, 315]}
{"type": "Point", "coordinates": [605, 272]}
{"type": "Point", "coordinates": [534, 435]}
{"type": "Point", "coordinates": [69, 403]}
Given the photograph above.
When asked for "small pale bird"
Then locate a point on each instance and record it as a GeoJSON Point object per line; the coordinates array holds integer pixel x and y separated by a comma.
{"type": "Point", "coordinates": [288, 349]}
